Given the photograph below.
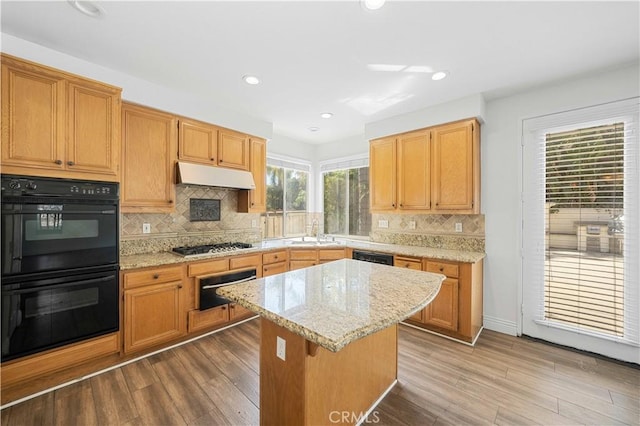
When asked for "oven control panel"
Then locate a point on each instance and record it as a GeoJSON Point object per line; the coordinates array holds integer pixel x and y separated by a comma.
{"type": "Point", "coordinates": [50, 187]}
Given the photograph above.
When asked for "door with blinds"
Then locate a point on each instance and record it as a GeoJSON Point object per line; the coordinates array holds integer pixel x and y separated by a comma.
{"type": "Point", "coordinates": [580, 229]}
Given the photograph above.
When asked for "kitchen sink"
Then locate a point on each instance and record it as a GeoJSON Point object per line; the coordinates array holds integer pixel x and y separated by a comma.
{"type": "Point", "coordinates": [316, 243]}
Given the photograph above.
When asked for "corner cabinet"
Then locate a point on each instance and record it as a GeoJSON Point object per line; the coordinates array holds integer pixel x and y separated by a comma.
{"type": "Point", "coordinates": [255, 200]}
{"type": "Point", "coordinates": [58, 124]}
{"type": "Point", "coordinates": [432, 170]}
{"type": "Point", "coordinates": [154, 310]}
{"type": "Point", "coordinates": [149, 156]}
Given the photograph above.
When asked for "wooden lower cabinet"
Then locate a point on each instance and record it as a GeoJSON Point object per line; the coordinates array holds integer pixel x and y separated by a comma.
{"type": "Point", "coordinates": [237, 312]}
{"type": "Point", "coordinates": [304, 258]}
{"type": "Point", "coordinates": [153, 310]}
{"type": "Point", "coordinates": [274, 262]}
{"type": "Point", "coordinates": [457, 309]}
{"type": "Point", "coordinates": [201, 320]}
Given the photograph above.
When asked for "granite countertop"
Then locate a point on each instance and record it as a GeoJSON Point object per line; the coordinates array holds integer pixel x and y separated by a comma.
{"type": "Point", "coordinates": [336, 303]}
{"type": "Point", "coordinates": [134, 261]}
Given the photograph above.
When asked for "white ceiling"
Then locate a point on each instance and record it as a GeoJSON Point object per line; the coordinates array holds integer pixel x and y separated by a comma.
{"type": "Point", "coordinates": [314, 57]}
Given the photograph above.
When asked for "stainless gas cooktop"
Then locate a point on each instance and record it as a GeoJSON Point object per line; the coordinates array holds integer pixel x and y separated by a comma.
{"type": "Point", "coordinates": [209, 248]}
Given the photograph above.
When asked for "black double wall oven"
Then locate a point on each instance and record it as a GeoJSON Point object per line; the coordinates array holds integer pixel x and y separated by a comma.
{"type": "Point", "coordinates": [59, 262]}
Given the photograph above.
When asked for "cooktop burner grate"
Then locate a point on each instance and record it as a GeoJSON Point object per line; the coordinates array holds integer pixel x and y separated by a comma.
{"type": "Point", "coordinates": [210, 248]}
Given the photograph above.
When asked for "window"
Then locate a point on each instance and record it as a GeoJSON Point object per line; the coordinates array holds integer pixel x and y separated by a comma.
{"type": "Point", "coordinates": [581, 194]}
{"type": "Point", "coordinates": [346, 200]}
{"type": "Point", "coordinates": [287, 188]}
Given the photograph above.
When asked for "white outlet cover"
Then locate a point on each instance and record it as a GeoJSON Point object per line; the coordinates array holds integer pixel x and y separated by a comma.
{"type": "Point", "coordinates": [383, 223]}
{"type": "Point", "coordinates": [254, 223]}
{"type": "Point", "coordinates": [412, 224]}
{"type": "Point", "coordinates": [281, 348]}
{"type": "Point", "coordinates": [146, 228]}
{"type": "Point", "coordinates": [458, 227]}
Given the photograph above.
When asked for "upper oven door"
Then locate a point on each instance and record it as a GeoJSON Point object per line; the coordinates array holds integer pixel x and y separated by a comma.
{"type": "Point", "coordinates": [50, 234]}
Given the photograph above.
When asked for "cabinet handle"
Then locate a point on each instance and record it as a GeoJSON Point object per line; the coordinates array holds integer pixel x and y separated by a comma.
{"type": "Point", "coordinates": [179, 286]}
{"type": "Point", "coordinates": [70, 163]}
{"type": "Point", "coordinates": [441, 268]}
{"type": "Point", "coordinates": [275, 256]}
{"type": "Point", "coordinates": [400, 205]}
{"type": "Point", "coordinates": [393, 205]}
{"type": "Point", "coordinates": [156, 276]}
{"type": "Point", "coordinates": [220, 160]}
{"type": "Point", "coordinates": [213, 159]}
{"type": "Point", "coordinates": [58, 161]}
{"type": "Point", "coordinates": [170, 201]}
{"type": "Point", "coordinates": [224, 307]}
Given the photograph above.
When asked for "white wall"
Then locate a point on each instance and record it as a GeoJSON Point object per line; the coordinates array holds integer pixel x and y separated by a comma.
{"type": "Point", "coordinates": [138, 90]}
{"type": "Point", "coordinates": [501, 177]}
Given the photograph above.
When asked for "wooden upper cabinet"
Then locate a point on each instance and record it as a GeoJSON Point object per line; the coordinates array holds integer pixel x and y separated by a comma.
{"type": "Point", "coordinates": [433, 170]}
{"type": "Point", "coordinates": [255, 200]}
{"type": "Point", "coordinates": [148, 155]}
{"type": "Point", "coordinates": [57, 124]}
{"type": "Point", "coordinates": [414, 174]}
{"type": "Point", "coordinates": [456, 167]}
{"type": "Point", "coordinates": [214, 146]}
{"type": "Point", "coordinates": [94, 118]}
{"type": "Point", "coordinates": [198, 142]}
{"type": "Point", "coordinates": [382, 174]}
{"type": "Point", "coordinates": [233, 149]}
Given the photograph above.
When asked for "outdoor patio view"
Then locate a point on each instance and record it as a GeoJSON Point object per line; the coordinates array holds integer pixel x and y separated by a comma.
{"type": "Point", "coordinates": [585, 228]}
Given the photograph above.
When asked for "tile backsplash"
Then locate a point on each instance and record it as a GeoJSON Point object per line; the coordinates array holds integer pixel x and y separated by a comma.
{"type": "Point", "coordinates": [172, 229]}
{"type": "Point", "coordinates": [429, 230]}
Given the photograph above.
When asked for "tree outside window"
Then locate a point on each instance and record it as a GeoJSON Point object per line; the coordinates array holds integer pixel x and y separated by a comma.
{"type": "Point", "coordinates": [346, 202]}
{"type": "Point", "coordinates": [286, 202]}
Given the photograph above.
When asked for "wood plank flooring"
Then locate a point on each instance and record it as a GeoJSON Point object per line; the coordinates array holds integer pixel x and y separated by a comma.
{"type": "Point", "coordinates": [503, 380]}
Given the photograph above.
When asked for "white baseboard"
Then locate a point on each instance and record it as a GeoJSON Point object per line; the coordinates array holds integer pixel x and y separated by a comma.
{"type": "Point", "coordinates": [500, 325]}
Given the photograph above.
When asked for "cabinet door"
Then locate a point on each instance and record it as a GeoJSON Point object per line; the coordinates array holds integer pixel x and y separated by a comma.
{"type": "Point", "coordinates": [152, 315]}
{"type": "Point", "coordinates": [408, 262]}
{"type": "Point", "coordinates": [200, 320]}
{"type": "Point", "coordinates": [233, 150]}
{"type": "Point", "coordinates": [414, 171]}
{"type": "Point", "coordinates": [417, 316]}
{"type": "Point", "coordinates": [443, 310]}
{"type": "Point", "coordinates": [33, 112]}
{"type": "Point", "coordinates": [148, 146]}
{"type": "Point", "coordinates": [94, 117]}
{"type": "Point", "coordinates": [236, 312]}
{"type": "Point", "coordinates": [197, 142]}
{"type": "Point", "coordinates": [255, 200]}
{"type": "Point", "coordinates": [453, 167]}
{"type": "Point", "coordinates": [382, 174]}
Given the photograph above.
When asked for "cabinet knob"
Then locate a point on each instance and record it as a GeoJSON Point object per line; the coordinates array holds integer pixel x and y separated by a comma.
{"type": "Point", "coordinates": [441, 268]}
{"type": "Point", "coordinates": [58, 161]}
{"type": "Point", "coordinates": [156, 276]}
{"type": "Point", "coordinates": [252, 204]}
{"type": "Point", "coordinates": [220, 160]}
{"type": "Point", "coordinates": [393, 205]}
{"type": "Point", "coordinates": [170, 201]}
{"type": "Point", "coordinates": [400, 205]}
{"type": "Point", "coordinates": [275, 256]}
{"type": "Point", "coordinates": [179, 286]}
{"type": "Point", "coordinates": [213, 159]}
{"type": "Point", "coordinates": [224, 307]}
{"type": "Point", "coordinates": [70, 163]}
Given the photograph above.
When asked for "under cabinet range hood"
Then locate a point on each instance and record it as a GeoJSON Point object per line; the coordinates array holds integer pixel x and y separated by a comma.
{"type": "Point", "coordinates": [199, 174]}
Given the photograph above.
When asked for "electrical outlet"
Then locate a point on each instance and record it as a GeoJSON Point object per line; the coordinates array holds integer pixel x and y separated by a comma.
{"type": "Point", "coordinates": [458, 227]}
{"type": "Point", "coordinates": [254, 223]}
{"type": "Point", "coordinates": [146, 228]}
{"type": "Point", "coordinates": [412, 224]}
{"type": "Point", "coordinates": [383, 223]}
{"type": "Point", "coordinates": [281, 348]}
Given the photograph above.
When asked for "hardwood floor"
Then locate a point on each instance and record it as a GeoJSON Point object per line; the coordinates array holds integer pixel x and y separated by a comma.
{"type": "Point", "coordinates": [503, 380]}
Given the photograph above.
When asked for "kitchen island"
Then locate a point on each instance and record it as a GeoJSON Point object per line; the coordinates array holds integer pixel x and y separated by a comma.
{"type": "Point", "coordinates": [328, 346]}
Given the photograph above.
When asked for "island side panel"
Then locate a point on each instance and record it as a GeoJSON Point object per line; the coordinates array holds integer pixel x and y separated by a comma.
{"type": "Point", "coordinates": [281, 382]}
{"type": "Point", "coordinates": [341, 386]}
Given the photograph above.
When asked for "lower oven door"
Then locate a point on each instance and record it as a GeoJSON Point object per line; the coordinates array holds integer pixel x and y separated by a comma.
{"type": "Point", "coordinates": [209, 298]}
{"type": "Point", "coordinates": [45, 313]}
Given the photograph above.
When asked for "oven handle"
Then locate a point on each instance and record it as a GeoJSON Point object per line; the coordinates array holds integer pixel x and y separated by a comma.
{"type": "Point", "coordinates": [55, 286]}
{"type": "Point", "coordinates": [207, 287]}
{"type": "Point", "coordinates": [66, 212]}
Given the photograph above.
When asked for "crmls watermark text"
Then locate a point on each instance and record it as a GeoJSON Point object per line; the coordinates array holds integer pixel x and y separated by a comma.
{"type": "Point", "coordinates": [353, 417]}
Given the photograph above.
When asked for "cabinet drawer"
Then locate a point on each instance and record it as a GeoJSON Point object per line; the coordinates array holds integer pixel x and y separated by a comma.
{"type": "Point", "coordinates": [199, 320]}
{"type": "Point", "coordinates": [152, 276]}
{"type": "Point", "coordinates": [245, 261]}
{"type": "Point", "coordinates": [210, 267]}
{"type": "Point", "coordinates": [274, 268]}
{"type": "Point", "coordinates": [330, 254]}
{"type": "Point", "coordinates": [448, 269]}
{"type": "Point", "coordinates": [408, 262]}
{"type": "Point", "coordinates": [236, 311]}
{"type": "Point", "coordinates": [299, 264]}
{"type": "Point", "coordinates": [274, 256]}
{"type": "Point", "coordinates": [303, 254]}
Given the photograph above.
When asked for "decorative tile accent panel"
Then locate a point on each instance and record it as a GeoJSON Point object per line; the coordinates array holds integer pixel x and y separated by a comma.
{"type": "Point", "coordinates": [177, 224]}
{"type": "Point", "coordinates": [436, 231]}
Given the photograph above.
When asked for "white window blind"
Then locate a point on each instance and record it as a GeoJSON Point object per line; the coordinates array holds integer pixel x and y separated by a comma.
{"type": "Point", "coordinates": [581, 218]}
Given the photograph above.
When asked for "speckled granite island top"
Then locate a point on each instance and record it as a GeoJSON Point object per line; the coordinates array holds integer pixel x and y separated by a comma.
{"type": "Point", "coordinates": [336, 303]}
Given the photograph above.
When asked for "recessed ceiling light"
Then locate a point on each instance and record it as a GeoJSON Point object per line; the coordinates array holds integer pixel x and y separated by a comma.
{"type": "Point", "coordinates": [314, 129]}
{"type": "Point", "coordinates": [438, 75]}
{"type": "Point", "coordinates": [373, 4]}
{"type": "Point", "coordinates": [251, 79]}
{"type": "Point", "coordinates": [88, 8]}
{"type": "Point", "coordinates": [326, 115]}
